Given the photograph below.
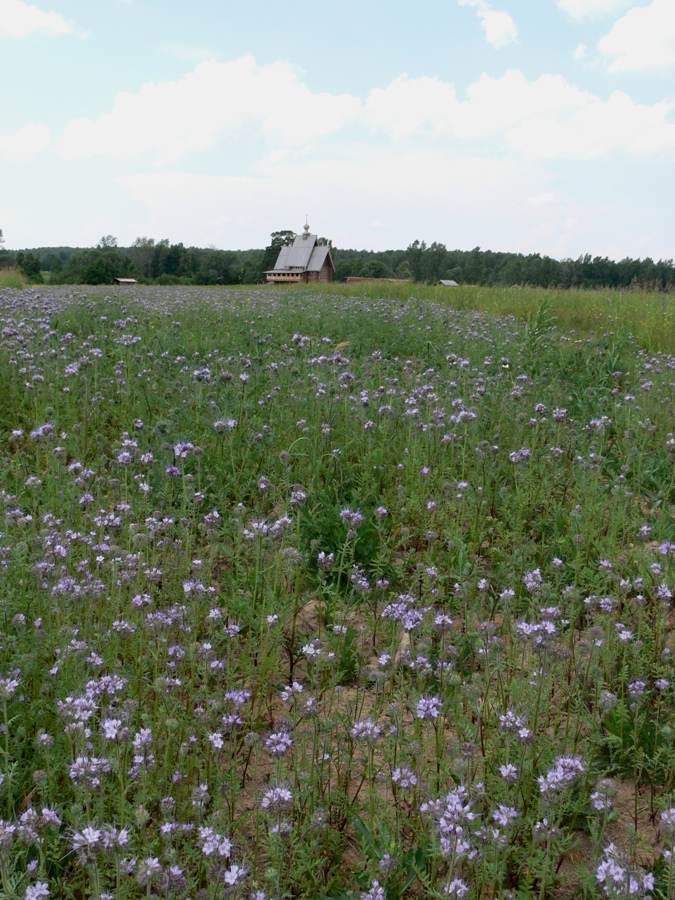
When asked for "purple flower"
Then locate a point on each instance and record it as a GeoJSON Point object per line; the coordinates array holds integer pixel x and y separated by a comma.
{"type": "Point", "coordinates": [376, 892]}
{"type": "Point", "coordinates": [619, 878]}
{"type": "Point", "coordinates": [509, 773]}
{"type": "Point", "coordinates": [43, 432]}
{"type": "Point", "coordinates": [352, 517]}
{"type": "Point", "coordinates": [366, 731]}
{"type": "Point", "coordinates": [505, 815]}
{"type": "Point", "coordinates": [600, 801]}
{"type": "Point", "coordinates": [456, 888]}
{"type": "Point", "coordinates": [236, 873]}
{"type": "Point", "coordinates": [519, 456]}
{"type": "Point", "coordinates": [404, 778]}
{"type": "Point", "coordinates": [277, 798]}
{"type": "Point", "coordinates": [563, 772]}
{"type": "Point", "coordinates": [213, 844]}
{"type": "Point", "coordinates": [278, 743]}
{"type": "Point", "coordinates": [428, 708]}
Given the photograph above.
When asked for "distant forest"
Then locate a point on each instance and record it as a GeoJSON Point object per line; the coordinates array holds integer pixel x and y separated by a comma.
{"type": "Point", "coordinates": [160, 262]}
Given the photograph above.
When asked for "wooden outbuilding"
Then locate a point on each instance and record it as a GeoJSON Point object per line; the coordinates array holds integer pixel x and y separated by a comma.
{"type": "Point", "coordinates": [304, 261]}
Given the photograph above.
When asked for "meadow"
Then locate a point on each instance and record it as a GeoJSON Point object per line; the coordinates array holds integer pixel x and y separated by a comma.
{"type": "Point", "coordinates": [649, 316]}
{"type": "Point", "coordinates": [315, 594]}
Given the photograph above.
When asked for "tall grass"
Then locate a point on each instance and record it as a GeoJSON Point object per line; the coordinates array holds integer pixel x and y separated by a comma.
{"type": "Point", "coordinates": [11, 277]}
{"type": "Point", "coordinates": [650, 317]}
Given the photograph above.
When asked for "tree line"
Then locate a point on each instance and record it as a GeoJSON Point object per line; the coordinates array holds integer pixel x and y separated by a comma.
{"type": "Point", "coordinates": [161, 262]}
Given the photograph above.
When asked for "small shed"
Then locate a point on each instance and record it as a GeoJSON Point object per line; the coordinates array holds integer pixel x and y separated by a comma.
{"type": "Point", "coordinates": [448, 282]}
{"type": "Point", "coordinates": [305, 261]}
{"type": "Point", "coordinates": [126, 281]}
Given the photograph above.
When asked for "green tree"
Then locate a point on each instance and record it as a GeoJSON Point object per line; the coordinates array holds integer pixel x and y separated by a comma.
{"type": "Point", "coordinates": [403, 270]}
{"type": "Point", "coordinates": [6, 258]}
{"type": "Point", "coordinates": [435, 262]}
{"type": "Point", "coordinates": [218, 267]}
{"type": "Point", "coordinates": [53, 263]}
{"type": "Point", "coordinates": [30, 267]}
{"type": "Point", "coordinates": [252, 270]}
{"type": "Point", "coordinates": [415, 259]}
{"type": "Point", "coordinates": [473, 267]}
{"type": "Point", "coordinates": [278, 239]}
{"type": "Point", "coordinates": [178, 261]}
{"type": "Point", "coordinates": [141, 254]}
{"type": "Point", "coordinates": [427, 263]}
{"type": "Point", "coordinates": [100, 270]}
{"type": "Point", "coordinates": [375, 268]}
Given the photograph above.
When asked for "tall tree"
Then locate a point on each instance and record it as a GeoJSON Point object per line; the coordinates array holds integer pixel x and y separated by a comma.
{"type": "Point", "coordinates": [473, 267]}
{"type": "Point", "coordinates": [278, 240]}
{"type": "Point", "coordinates": [141, 253]}
{"type": "Point", "coordinates": [30, 267]}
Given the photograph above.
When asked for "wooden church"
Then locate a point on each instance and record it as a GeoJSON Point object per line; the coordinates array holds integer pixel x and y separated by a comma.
{"type": "Point", "coordinates": [303, 261]}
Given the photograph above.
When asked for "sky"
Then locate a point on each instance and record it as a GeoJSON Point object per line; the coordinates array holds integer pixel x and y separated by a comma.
{"type": "Point", "coordinates": [534, 127]}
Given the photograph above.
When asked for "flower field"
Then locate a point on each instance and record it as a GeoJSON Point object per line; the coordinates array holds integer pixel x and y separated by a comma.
{"type": "Point", "coordinates": [326, 597]}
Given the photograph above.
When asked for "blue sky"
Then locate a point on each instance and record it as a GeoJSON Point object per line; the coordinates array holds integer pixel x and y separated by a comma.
{"type": "Point", "coordinates": [511, 125]}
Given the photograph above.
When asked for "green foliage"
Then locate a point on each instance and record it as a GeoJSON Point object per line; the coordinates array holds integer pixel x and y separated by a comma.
{"type": "Point", "coordinates": [12, 278]}
{"type": "Point", "coordinates": [421, 262]}
{"type": "Point", "coordinates": [30, 267]}
{"type": "Point", "coordinates": [278, 239]}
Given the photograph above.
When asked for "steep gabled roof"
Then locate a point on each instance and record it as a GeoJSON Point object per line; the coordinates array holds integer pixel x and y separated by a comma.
{"type": "Point", "coordinates": [298, 254]}
{"type": "Point", "coordinates": [303, 255]}
{"type": "Point", "coordinates": [318, 258]}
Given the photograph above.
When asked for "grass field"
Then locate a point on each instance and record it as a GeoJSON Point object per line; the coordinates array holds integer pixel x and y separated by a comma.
{"type": "Point", "coordinates": [649, 317]}
{"type": "Point", "coordinates": [11, 278]}
{"type": "Point", "coordinates": [313, 595]}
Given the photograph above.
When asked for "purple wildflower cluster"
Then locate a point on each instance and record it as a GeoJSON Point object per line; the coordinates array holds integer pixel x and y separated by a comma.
{"type": "Point", "coordinates": [264, 589]}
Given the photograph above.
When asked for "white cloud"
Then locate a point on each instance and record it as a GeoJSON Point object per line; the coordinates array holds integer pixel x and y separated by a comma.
{"type": "Point", "coordinates": [580, 52]}
{"type": "Point", "coordinates": [173, 118]}
{"type": "Point", "coordinates": [25, 144]}
{"type": "Point", "coordinates": [642, 39]}
{"type": "Point", "coordinates": [499, 27]}
{"type": "Point", "coordinates": [591, 9]}
{"type": "Point", "coordinates": [408, 106]}
{"type": "Point", "coordinates": [548, 118]}
{"type": "Point", "coordinates": [596, 128]}
{"type": "Point", "coordinates": [18, 19]}
{"type": "Point", "coordinates": [270, 109]}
